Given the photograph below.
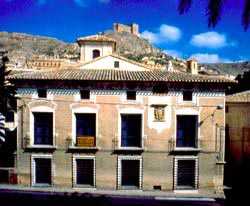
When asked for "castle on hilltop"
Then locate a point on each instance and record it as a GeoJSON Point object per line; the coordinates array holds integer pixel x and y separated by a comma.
{"type": "Point", "coordinates": [131, 28]}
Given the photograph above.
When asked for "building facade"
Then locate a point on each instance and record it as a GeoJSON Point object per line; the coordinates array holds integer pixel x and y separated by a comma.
{"type": "Point", "coordinates": [121, 127]}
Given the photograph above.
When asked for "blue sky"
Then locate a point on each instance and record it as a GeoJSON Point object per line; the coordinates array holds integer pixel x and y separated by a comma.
{"type": "Point", "coordinates": [180, 35]}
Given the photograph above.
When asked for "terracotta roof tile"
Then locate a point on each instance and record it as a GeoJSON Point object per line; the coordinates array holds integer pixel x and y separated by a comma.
{"type": "Point", "coordinates": [116, 75]}
{"type": "Point", "coordinates": [95, 38]}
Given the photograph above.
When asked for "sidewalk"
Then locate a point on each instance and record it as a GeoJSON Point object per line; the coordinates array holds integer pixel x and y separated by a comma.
{"type": "Point", "coordinates": [157, 195]}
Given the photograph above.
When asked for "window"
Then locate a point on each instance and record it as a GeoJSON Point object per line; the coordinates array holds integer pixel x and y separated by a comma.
{"type": "Point", "coordinates": [131, 129]}
{"type": "Point", "coordinates": [43, 128]}
{"type": "Point", "coordinates": [96, 53]}
{"type": "Point", "coordinates": [187, 130]}
{"type": "Point", "coordinates": [42, 93]}
{"type": "Point", "coordinates": [85, 94]}
{"type": "Point", "coordinates": [186, 174]}
{"type": "Point", "coordinates": [129, 172]}
{"type": "Point", "coordinates": [131, 95]}
{"type": "Point", "coordinates": [43, 172]}
{"type": "Point", "coordinates": [10, 116]}
{"type": "Point", "coordinates": [160, 89]}
{"type": "Point", "coordinates": [116, 64]}
{"type": "Point", "coordinates": [85, 130]}
{"type": "Point", "coordinates": [187, 95]}
{"type": "Point", "coordinates": [85, 169]}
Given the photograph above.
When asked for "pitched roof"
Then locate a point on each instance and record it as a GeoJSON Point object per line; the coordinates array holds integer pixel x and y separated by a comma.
{"type": "Point", "coordinates": [239, 97]}
{"type": "Point", "coordinates": [95, 38]}
{"type": "Point", "coordinates": [116, 75]}
{"type": "Point", "coordinates": [118, 57]}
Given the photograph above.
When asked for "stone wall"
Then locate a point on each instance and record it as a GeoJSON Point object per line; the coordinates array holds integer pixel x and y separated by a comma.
{"type": "Point", "coordinates": [132, 28]}
{"type": "Point", "coordinates": [158, 160]}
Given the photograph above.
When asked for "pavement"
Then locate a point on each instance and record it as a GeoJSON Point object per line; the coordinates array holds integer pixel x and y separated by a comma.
{"type": "Point", "coordinates": [16, 195]}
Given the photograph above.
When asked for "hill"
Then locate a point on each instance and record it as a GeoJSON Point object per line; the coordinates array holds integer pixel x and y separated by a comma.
{"type": "Point", "coordinates": [24, 46]}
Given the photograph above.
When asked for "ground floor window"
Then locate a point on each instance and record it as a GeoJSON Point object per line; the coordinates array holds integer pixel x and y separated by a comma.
{"type": "Point", "coordinates": [84, 171]}
{"type": "Point", "coordinates": [186, 173]}
{"type": "Point", "coordinates": [42, 170]}
{"type": "Point", "coordinates": [129, 172]}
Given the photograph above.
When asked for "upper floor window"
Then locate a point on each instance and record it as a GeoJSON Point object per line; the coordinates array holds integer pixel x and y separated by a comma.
{"type": "Point", "coordinates": [187, 131]}
{"type": "Point", "coordinates": [116, 64]}
{"type": "Point", "coordinates": [85, 94]}
{"type": "Point", "coordinates": [42, 93]}
{"type": "Point", "coordinates": [131, 95]}
{"type": "Point", "coordinates": [187, 95]}
{"type": "Point", "coordinates": [43, 128]}
{"type": "Point", "coordinates": [131, 130]}
{"type": "Point", "coordinates": [85, 129]}
{"type": "Point", "coordinates": [96, 53]}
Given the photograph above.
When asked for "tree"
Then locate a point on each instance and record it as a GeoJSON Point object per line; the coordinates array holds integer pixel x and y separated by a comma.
{"type": "Point", "coordinates": [214, 11]}
{"type": "Point", "coordinates": [7, 90]}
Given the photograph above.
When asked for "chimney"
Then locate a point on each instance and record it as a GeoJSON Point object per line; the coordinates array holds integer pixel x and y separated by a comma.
{"type": "Point", "coordinates": [192, 66]}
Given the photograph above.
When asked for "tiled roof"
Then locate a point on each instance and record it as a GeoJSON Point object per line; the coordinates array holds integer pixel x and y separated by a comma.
{"type": "Point", "coordinates": [96, 38]}
{"type": "Point", "coordinates": [115, 75]}
{"type": "Point", "coordinates": [239, 97]}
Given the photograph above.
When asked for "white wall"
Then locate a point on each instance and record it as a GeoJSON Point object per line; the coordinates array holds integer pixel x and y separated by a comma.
{"type": "Point", "coordinates": [108, 63]}
{"type": "Point", "coordinates": [105, 48]}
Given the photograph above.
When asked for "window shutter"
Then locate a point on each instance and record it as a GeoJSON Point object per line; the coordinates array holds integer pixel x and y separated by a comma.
{"type": "Point", "coordinates": [43, 170]}
{"type": "Point", "coordinates": [186, 173]}
{"type": "Point", "coordinates": [85, 172]}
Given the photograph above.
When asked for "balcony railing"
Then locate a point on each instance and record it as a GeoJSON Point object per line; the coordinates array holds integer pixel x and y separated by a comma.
{"type": "Point", "coordinates": [174, 145]}
{"type": "Point", "coordinates": [82, 142]}
{"type": "Point", "coordinates": [138, 144]}
{"type": "Point", "coordinates": [27, 144]}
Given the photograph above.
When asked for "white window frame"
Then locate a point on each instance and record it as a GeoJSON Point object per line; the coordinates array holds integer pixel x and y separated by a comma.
{"type": "Point", "coordinates": [119, 171]}
{"type": "Point", "coordinates": [183, 112]}
{"type": "Point", "coordinates": [84, 157]}
{"type": "Point", "coordinates": [41, 109]}
{"type": "Point", "coordinates": [128, 111]}
{"type": "Point", "coordinates": [33, 169]}
{"type": "Point", "coordinates": [194, 158]}
{"type": "Point", "coordinates": [83, 110]}
{"type": "Point", "coordinates": [77, 96]}
{"type": "Point", "coordinates": [194, 97]}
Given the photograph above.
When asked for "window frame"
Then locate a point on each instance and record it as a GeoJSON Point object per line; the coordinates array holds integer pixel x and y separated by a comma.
{"type": "Point", "coordinates": [187, 111]}
{"type": "Point", "coordinates": [134, 95]}
{"type": "Point", "coordinates": [116, 64]}
{"type": "Point", "coordinates": [196, 132]}
{"type": "Point", "coordinates": [196, 175]}
{"type": "Point", "coordinates": [83, 157]}
{"type": "Point", "coordinates": [81, 94]}
{"type": "Point", "coordinates": [192, 95]}
{"type": "Point", "coordinates": [41, 109]}
{"type": "Point", "coordinates": [127, 111]}
{"type": "Point", "coordinates": [33, 169]}
{"type": "Point", "coordinates": [42, 90]}
{"type": "Point", "coordinates": [83, 110]}
{"type": "Point", "coordinates": [119, 172]}
{"type": "Point", "coordinates": [94, 55]}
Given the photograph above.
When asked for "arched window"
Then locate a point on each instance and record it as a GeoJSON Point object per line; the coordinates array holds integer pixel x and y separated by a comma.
{"type": "Point", "coordinates": [96, 53]}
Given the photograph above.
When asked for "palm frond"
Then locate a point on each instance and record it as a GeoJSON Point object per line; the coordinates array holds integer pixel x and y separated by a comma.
{"type": "Point", "coordinates": [214, 11]}
{"type": "Point", "coordinates": [246, 15]}
{"type": "Point", "coordinates": [184, 6]}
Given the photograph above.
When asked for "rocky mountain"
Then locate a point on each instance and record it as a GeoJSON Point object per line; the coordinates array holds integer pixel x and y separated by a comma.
{"type": "Point", "coordinates": [22, 46]}
{"type": "Point", "coordinates": [229, 68]}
